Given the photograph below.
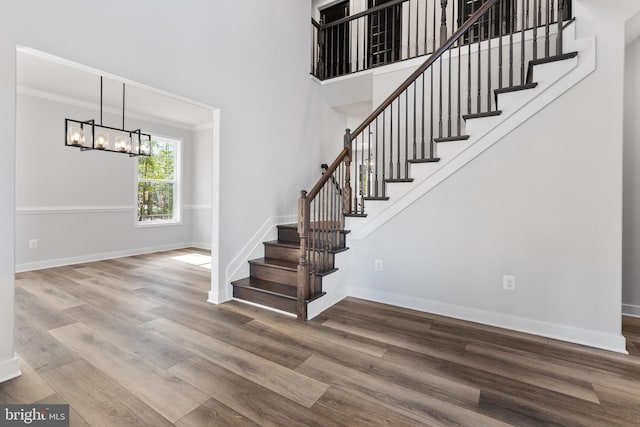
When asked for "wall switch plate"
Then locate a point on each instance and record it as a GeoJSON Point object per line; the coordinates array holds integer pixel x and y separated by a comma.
{"type": "Point", "coordinates": [33, 243]}
{"type": "Point", "coordinates": [509, 283]}
{"type": "Point", "coordinates": [378, 265]}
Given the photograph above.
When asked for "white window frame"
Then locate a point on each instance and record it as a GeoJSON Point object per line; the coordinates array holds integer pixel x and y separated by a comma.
{"type": "Point", "coordinates": [177, 189]}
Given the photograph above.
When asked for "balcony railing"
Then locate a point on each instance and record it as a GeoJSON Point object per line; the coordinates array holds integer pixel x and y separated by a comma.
{"type": "Point", "coordinates": [403, 29]}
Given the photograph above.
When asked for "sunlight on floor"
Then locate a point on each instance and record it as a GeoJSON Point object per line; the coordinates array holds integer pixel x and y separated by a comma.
{"type": "Point", "coordinates": [201, 260]}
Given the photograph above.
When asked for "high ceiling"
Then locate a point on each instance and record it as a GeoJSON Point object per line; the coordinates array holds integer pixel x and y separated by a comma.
{"type": "Point", "coordinates": [40, 74]}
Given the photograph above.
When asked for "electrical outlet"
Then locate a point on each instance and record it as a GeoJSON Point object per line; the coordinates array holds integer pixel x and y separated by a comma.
{"type": "Point", "coordinates": [33, 243]}
{"type": "Point", "coordinates": [509, 283]}
{"type": "Point", "coordinates": [377, 265]}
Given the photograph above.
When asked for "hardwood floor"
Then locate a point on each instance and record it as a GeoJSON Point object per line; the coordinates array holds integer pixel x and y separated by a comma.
{"type": "Point", "coordinates": [132, 341]}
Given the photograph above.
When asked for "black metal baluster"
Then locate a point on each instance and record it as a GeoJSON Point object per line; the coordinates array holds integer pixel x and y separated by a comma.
{"type": "Point", "coordinates": [481, 31]}
{"type": "Point", "coordinates": [560, 27]}
{"type": "Point", "coordinates": [469, 39]}
{"type": "Point", "coordinates": [368, 168]}
{"type": "Point", "coordinates": [433, 47]}
{"type": "Point", "coordinates": [330, 52]}
{"type": "Point", "coordinates": [384, 136]}
{"type": "Point", "coordinates": [399, 140]}
{"type": "Point", "coordinates": [431, 141]}
{"type": "Point", "coordinates": [417, 24]}
{"type": "Point", "coordinates": [449, 112]}
{"type": "Point", "coordinates": [489, 60]}
{"type": "Point", "coordinates": [426, 27]}
{"type": "Point", "coordinates": [546, 32]}
{"type": "Point", "coordinates": [553, 9]}
{"type": "Point", "coordinates": [511, 30]}
{"type": "Point", "coordinates": [522, 58]}
{"type": "Point", "coordinates": [423, 114]}
{"type": "Point", "coordinates": [440, 123]}
{"type": "Point", "coordinates": [414, 119]}
{"type": "Point", "coordinates": [391, 142]}
{"type": "Point", "coordinates": [376, 157]}
{"type": "Point", "coordinates": [501, 23]}
{"type": "Point", "coordinates": [459, 112]}
{"type": "Point", "coordinates": [393, 31]}
{"type": "Point", "coordinates": [408, 27]}
{"type": "Point", "coordinates": [535, 29]}
{"type": "Point", "coordinates": [357, 45]}
{"type": "Point", "coordinates": [345, 52]}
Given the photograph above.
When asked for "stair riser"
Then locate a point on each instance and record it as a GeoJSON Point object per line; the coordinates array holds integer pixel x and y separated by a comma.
{"type": "Point", "coordinates": [332, 240]}
{"type": "Point", "coordinates": [324, 261]}
{"type": "Point", "coordinates": [335, 239]}
{"type": "Point", "coordinates": [268, 300]}
{"type": "Point", "coordinates": [279, 252]}
{"type": "Point", "coordinates": [288, 235]}
{"type": "Point", "coordinates": [273, 274]}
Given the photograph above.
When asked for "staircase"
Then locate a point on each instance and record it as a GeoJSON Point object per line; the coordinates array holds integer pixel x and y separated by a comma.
{"type": "Point", "coordinates": [273, 279]}
{"type": "Point", "coordinates": [416, 138]}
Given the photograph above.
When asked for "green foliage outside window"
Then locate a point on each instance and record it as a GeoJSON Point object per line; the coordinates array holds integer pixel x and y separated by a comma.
{"type": "Point", "coordinates": [156, 182]}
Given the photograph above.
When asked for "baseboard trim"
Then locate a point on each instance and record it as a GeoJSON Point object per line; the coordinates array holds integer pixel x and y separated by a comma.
{"type": "Point", "coordinates": [631, 310]}
{"type": "Point", "coordinates": [217, 297]}
{"type": "Point", "coordinates": [616, 343]}
{"type": "Point", "coordinates": [61, 262]}
{"type": "Point", "coordinates": [10, 369]}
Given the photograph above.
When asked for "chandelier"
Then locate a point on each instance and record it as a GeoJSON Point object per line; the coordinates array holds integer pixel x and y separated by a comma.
{"type": "Point", "coordinates": [87, 135]}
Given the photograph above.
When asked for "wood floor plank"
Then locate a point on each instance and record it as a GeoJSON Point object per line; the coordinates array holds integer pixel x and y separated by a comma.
{"type": "Point", "coordinates": [75, 419]}
{"type": "Point", "coordinates": [311, 329]}
{"type": "Point", "coordinates": [100, 400]}
{"type": "Point", "coordinates": [48, 294]}
{"type": "Point", "coordinates": [276, 351]}
{"type": "Point", "coordinates": [415, 405]}
{"type": "Point", "coordinates": [578, 410]}
{"type": "Point", "coordinates": [214, 413]}
{"type": "Point", "coordinates": [37, 347]}
{"type": "Point", "coordinates": [299, 388]}
{"type": "Point", "coordinates": [40, 312]}
{"type": "Point", "coordinates": [172, 399]}
{"type": "Point", "coordinates": [259, 404]}
{"type": "Point", "coordinates": [424, 382]}
{"type": "Point", "coordinates": [156, 350]}
{"type": "Point", "coordinates": [27, 388]}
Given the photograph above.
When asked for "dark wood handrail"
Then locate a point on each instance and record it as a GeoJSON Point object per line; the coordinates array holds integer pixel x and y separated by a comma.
{"type": "Point", "coordinates": [422, 68]}
{"type": "Point", "coordinates": [315, 23]}
{"type": "Point", "coordinates": [329, 172]}
{"type": "Point", "coordinates": [364, 13]}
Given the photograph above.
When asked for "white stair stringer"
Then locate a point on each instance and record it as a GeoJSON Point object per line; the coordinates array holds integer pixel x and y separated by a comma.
{"type": "Point", "coordinates": [554, 79]}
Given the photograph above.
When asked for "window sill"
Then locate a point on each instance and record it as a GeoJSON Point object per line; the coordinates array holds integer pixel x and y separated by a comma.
{"type": "Point", "coordinates": [152, 224]}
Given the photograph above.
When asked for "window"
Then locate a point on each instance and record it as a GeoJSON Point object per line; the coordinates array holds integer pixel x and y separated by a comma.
{"type": "Point", "coordinates": [158, 189]}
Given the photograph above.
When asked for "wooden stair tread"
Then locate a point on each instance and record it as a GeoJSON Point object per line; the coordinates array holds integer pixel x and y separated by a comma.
{"type": "Point", "coordinates": [275, 263]}
{"type": "Point", "coordinates": [451, 138]}
{"type": "Point", "coordinates": [432, 160]}
{"type": "Point", "coordinates": [391, 180]}
{"type": "Point", "coordinates": [266, 286]}
{"type": "Point", "coordinates": [482, 115]}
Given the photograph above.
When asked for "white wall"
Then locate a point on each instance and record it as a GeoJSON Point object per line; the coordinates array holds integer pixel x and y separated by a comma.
{"type": "Point", "coordinates": [82, 205]}
{"type": "Point", "coordinates": [202, 176]}
{"type": "Point", "coordinates": [631, 234]}
{"type": "Point", "coordinates": [273, 120]}
{"type": "Point", "coordinates": [544, 204]}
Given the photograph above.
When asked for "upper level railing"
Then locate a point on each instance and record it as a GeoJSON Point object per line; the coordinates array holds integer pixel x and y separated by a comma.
{"type": "Point", "coordinates": [403, 29]}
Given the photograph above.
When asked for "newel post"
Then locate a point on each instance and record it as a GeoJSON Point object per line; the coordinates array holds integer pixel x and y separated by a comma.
{"type": "Point", "coordinates": [443, 22]}
{"type": "Point", "coordinates": [347, 175]}
{"type": "Point", "coordinates": [303, 264]}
